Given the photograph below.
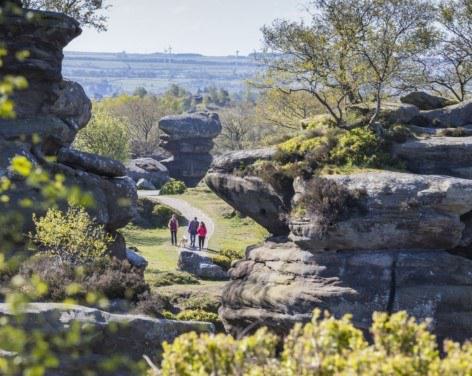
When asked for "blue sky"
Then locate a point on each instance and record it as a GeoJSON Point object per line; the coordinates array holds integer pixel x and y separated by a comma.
{"type": "Point", "coordinates": [210, 27]}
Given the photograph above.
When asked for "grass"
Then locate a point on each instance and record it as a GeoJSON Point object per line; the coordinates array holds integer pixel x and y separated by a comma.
{"type": "Point", "coordinates": [230, 233]}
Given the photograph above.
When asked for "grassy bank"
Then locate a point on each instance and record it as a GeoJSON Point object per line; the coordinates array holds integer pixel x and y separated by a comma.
{"type": "Point", "coordinates": [230, 232]}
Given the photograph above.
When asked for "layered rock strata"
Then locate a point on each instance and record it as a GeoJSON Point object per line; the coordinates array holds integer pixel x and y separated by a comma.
{"type": "Point", "coordinates": [49, 113]}
{"type": "Point", "coordinates": [189, 138]}
{"type": "Point", "coordinates": [366, 242]}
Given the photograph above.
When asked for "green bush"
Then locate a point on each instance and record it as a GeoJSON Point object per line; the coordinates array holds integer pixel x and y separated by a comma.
{"type": "Point", "coordinates": [174, 278]}
{"type": "Point", "coordinates": [223, 261]}
{"type": "Point", "coordinates": [319, 122]}
{"type": "Point", "coordinates": [197, 315]}
{"type": "Point", "coordinates": [73, 236]}
{"type": "Point", "coordinates": [359, 147]}
{"type": "Point", "coordinates": [326, 347]}
{"type": "Point", "coordinates": [173, 187]}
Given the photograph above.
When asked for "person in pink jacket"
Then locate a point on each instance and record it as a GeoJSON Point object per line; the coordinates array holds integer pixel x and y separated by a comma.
{"type": "Point", "coordinates": [202, 233]}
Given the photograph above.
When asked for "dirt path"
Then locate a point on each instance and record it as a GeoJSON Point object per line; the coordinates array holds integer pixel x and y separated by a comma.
{"type": "Point", "coordinates": [187, 210]}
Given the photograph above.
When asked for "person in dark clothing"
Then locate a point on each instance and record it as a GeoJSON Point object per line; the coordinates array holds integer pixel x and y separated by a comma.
{"type": "Point", "coordinates": [192, 230]}
{"type": "Point", "coordinates": [173, 227]}
{"type": "Point", "coordinates": [202, 232]}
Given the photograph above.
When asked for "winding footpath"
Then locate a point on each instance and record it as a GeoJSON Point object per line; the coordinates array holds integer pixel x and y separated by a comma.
{"type": "Point", "coordinates": [182, 206]}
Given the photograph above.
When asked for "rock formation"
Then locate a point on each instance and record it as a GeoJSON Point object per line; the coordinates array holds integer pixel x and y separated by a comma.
{"type": "Point", "coordinates": [148, 169]}
{"type": "Point", "coordinates": [376, 241]}
{"type": "Point", "coordinates": [130, 336]}
{"type": "Point", "coordinates": [49, 113]}
{"type": "Point", "coordinates": [189, 138]}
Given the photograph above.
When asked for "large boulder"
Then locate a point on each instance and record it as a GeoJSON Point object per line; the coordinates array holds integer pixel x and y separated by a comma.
{"type": "Point", "coordinates": [388, 210]}
{"type": "Point", "coordinates": [189, 139]}
{"type": "Point", "coordinates": [437, 155]}
{"type": "Point", "coordinates": [426, 101]}
{"type": "Point", "coordinates": [200, 264]}
{"type": "Point", "coordinates": [149, 169]}
{"type": "Point", "coordinates": [129, 336]}
{"type": "Point", "coordinates": [91, 162]}
{"type": "Point", "coordinates": [252, 197]}
{"type": "Point", "coordinates": [278, 285]}
{"type": "Point", "coordinates": [458, 115]}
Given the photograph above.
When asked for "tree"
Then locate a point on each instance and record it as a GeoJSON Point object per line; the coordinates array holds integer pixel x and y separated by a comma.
{"type": "Point", "coordinates": [350, 50]}
{"type": "Point", "coordinates": [87, 12]}
{"type": "Point", "coordinates": [286, 110]}
{"type": "Point", "coordinates": [389, 35]}
{"type": "Point", "coordinates": [105, 135]}
{"type": "Point", "coordinates": [315, 58]}
{"type": "Point", "coordinates": [448, 67]}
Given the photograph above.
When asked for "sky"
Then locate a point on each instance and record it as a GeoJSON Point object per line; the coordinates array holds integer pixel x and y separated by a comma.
{"type": "Point", "coordinates": [208, 27]}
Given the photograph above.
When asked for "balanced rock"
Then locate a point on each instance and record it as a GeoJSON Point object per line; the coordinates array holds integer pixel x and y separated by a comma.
{"type": "Point", "coordinates": [425, 101]}
{"type": "Point", "coordinates": [189, 138]}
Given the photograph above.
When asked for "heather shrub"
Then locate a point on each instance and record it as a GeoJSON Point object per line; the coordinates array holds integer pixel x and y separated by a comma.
{"type": "Point", "coordinates": [174, 278]}
{"type": "Point", "coordinates": [111, 278]}
{"type": "Point", "coordinates": [173, 187]}
{"type": "Point", "coordinates": [72, 236]}
{"type": "Point", "coordinates": [326, 202]}
{"type": "Point", "coordinates": [154, 305]}
{"type": "Point", "coordinates": [197, 315]}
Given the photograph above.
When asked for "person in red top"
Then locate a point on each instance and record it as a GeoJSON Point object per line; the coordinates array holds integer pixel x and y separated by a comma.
{"type": "Point", "coordinates": [202, 232]}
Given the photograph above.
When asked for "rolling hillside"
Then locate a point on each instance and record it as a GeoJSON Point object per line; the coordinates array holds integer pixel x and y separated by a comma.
{"type": "Point", "coordinates": [105, 74]}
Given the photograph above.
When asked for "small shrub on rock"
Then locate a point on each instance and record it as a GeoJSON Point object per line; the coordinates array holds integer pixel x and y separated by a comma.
{"type": "Point", "coordinates": [173, 187]}
{"type": "Point", "coordinates": [223, 261]}
{"type": "Point", "coordinates": [73, 236]}
{"type": "Point", "coordinates": [197, 315]}
{"type": "Point", "coordinates": [326, 201]}
{"type": "Point", "coordinates": [153, 305]}
{"type": "Point", "coordinates": [174, 278]}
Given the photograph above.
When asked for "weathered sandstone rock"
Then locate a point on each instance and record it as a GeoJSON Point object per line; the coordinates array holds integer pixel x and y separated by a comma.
{"type": "Point", "coordinates": [393, 211]}
{"type": "Point", "coordinates": [49, 113]}
{"type": "Point", "coordinates": [189, 138]}
{"type": "Point", "coordinates": [126, 335]}
{"type": "Point", "coordinates": [437, 155]}
{"type": "Point", "coordinates": [280, 284]}
{"type": "Point", "coordinates": [147, 168]}
{"type": "Point", "coordinates": [457, 115]}
{"type": "Point", "coordinates": [201, 265]}
{"type": "Point", "coordinates": [425, 101]}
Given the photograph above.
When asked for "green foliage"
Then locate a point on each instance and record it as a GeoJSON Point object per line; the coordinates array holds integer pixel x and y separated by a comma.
{"type": "Point", "coordinates": [173, 187]}
{"type": "Point", "coordinates": [318, 122]}
{"type": "Point", "coordinates": [232, 254]}
{"type": "Point", "coordinates": [105, 135]}
{"type": "Point", "coordinates": [326, 346]}
{"type": "Point", "coordinates": [197, 315]}
{"type": "Point", "coordinates": [152, 215]}
{"type": "Point", "coordinates": [174, 278]}
{"type": "Point", "coordinates": [73, 236]}
{"type": "Point", "coordinates": [360, 147]}
{"type": "Point", "coordinates": [223, 261]}
{"type": "Point", "coordinates": [162, 215]}
{"type": "Point", "coordinates": [191, 354]}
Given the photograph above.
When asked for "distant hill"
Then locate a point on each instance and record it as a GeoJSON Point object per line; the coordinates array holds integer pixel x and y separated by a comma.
{"type": "Point", "coordinates": [106, 74]}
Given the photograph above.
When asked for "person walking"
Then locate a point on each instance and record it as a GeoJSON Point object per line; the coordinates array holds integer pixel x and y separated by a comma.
{"type": "Point", "coordinates": [192, 230]}
{"type": "Point", "coordinates": [173, 227]}
{"type": "Point", "coordinates": [202, 232]}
